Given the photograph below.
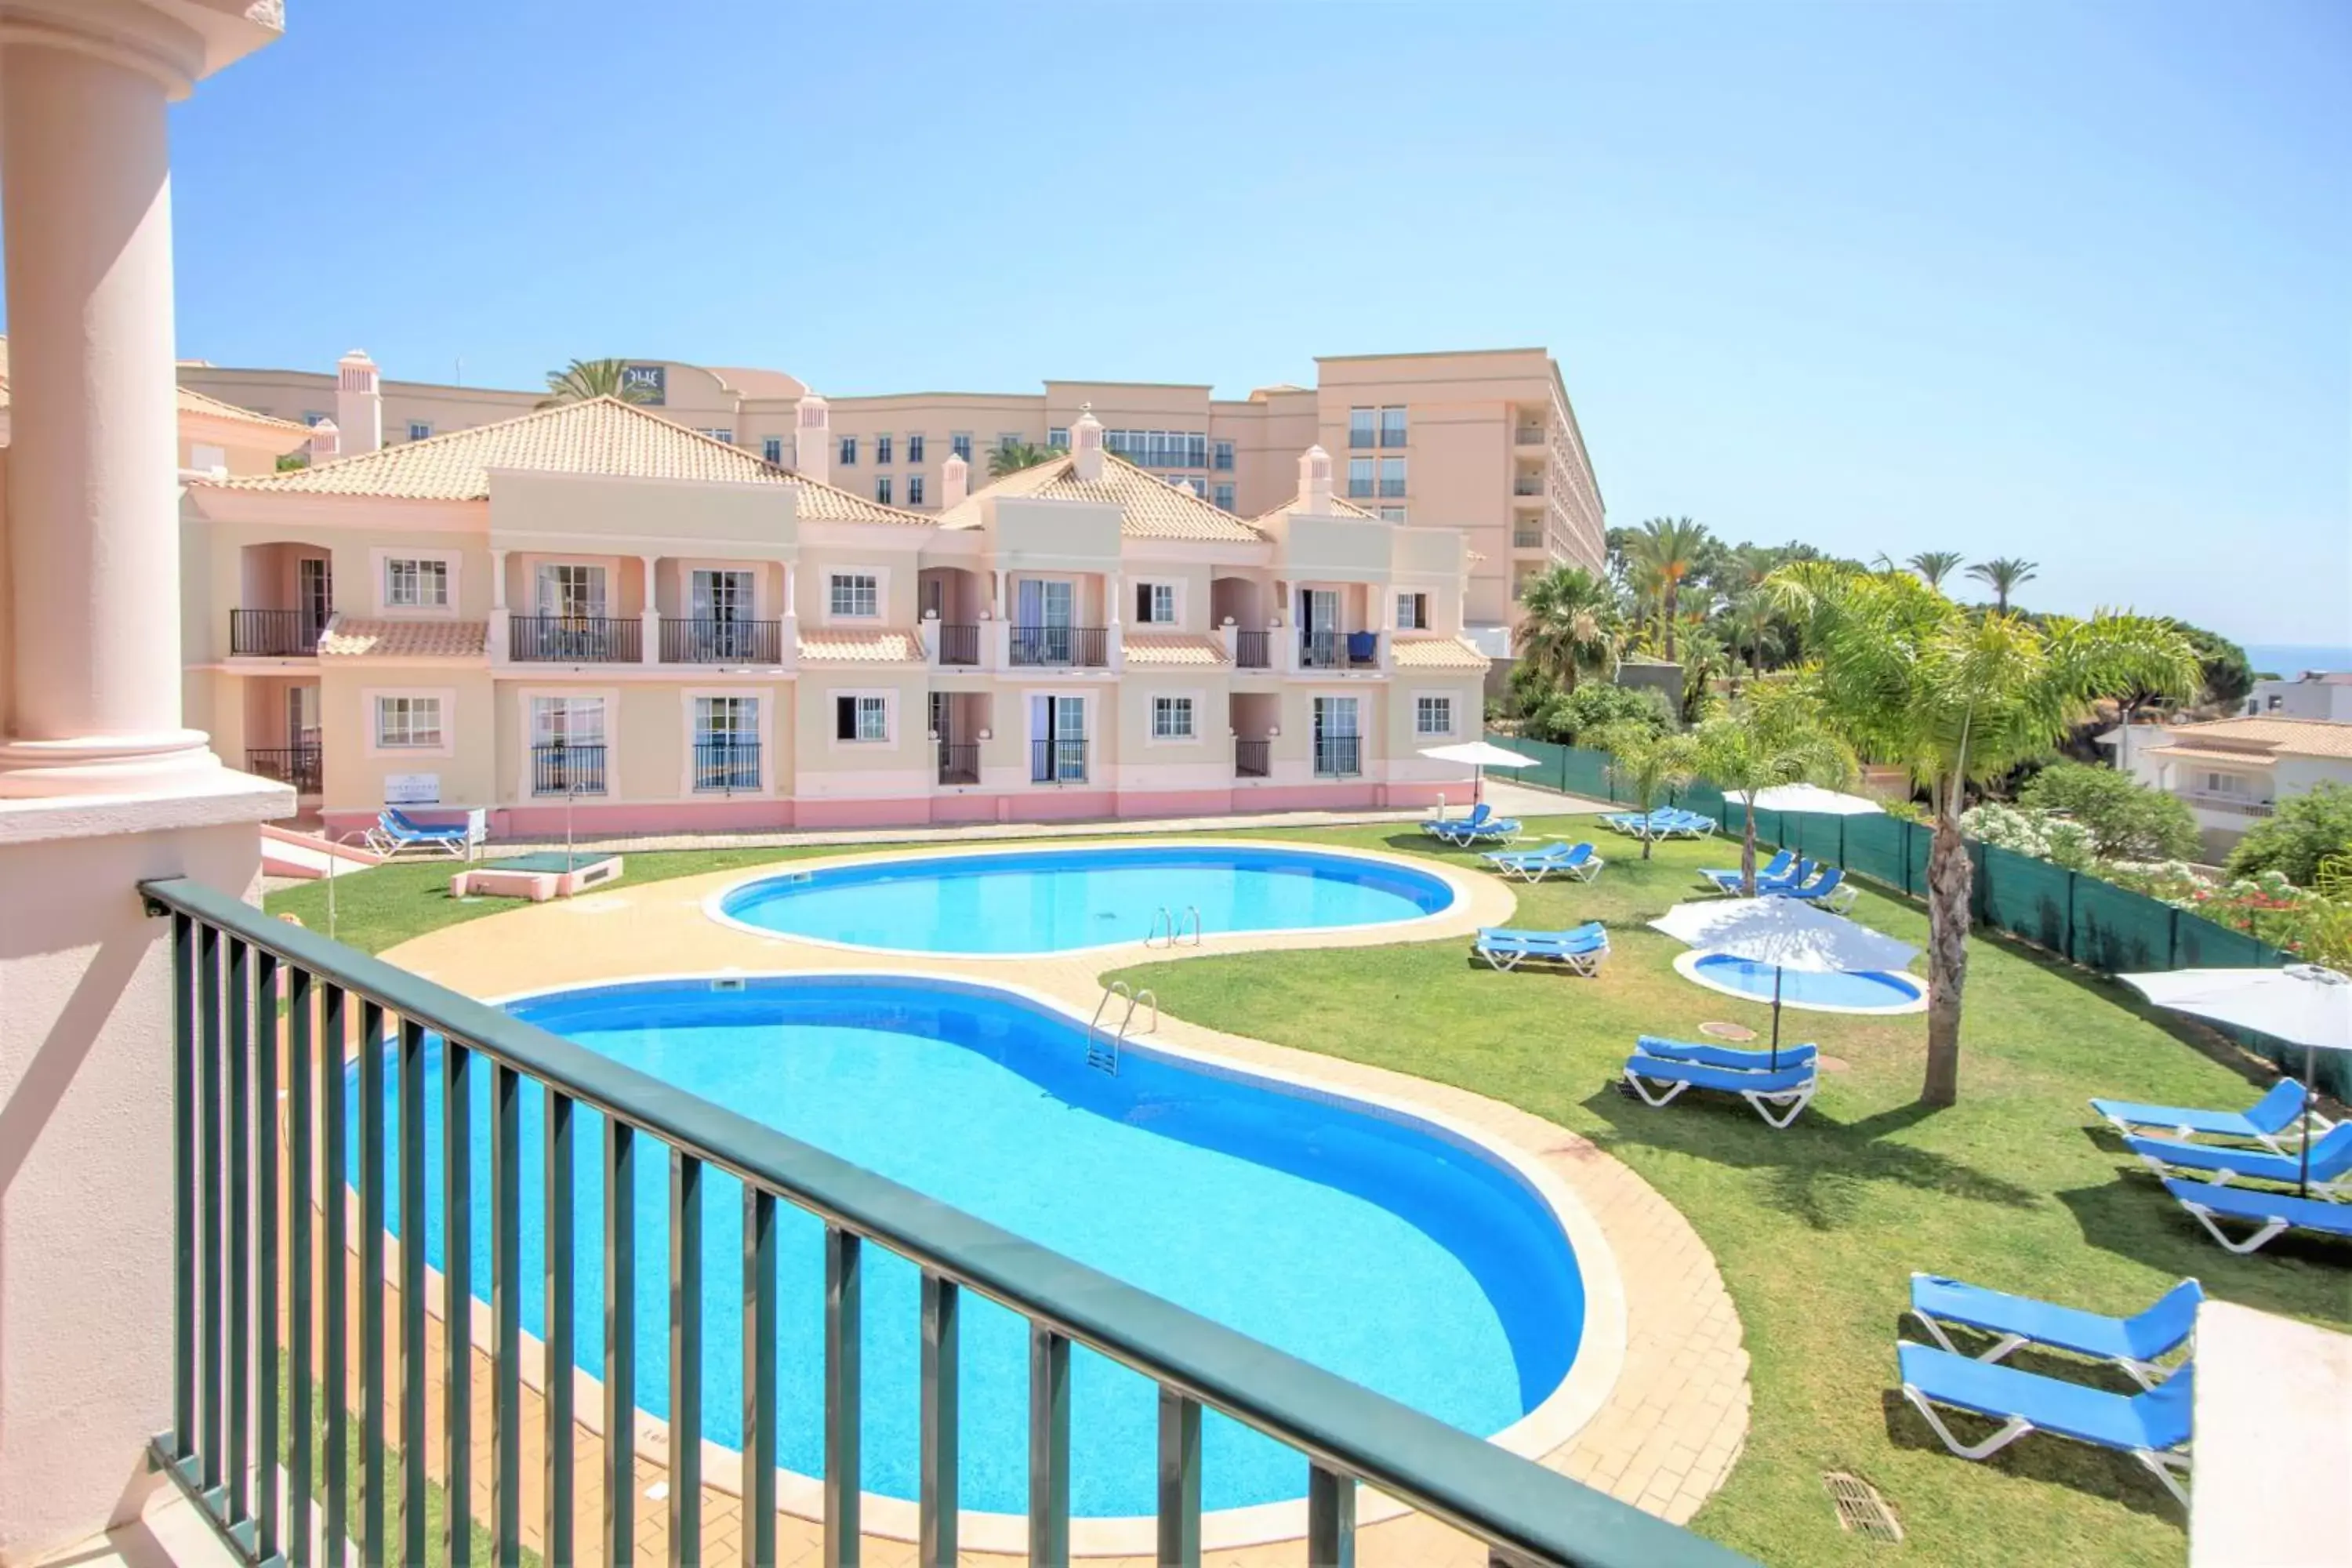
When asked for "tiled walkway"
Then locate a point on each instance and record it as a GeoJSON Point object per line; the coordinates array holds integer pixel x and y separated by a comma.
{"type": "Point", "coordinates": [1663, 1437]}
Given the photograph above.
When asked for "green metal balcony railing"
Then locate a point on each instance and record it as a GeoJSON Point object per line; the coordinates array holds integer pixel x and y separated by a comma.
{"type": "Point", "coordinates": [240, 1211]}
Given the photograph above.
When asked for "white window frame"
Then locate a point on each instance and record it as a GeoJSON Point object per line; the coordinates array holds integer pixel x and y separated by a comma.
{"type": "Point", "coordinates": [1407, 597]}
{"type": "Point", "coordinates": [766, 698]}
{"type": "Point", "coordinates": [371, 702]}
{"type": "Point", "coordinates": [881, 594]}
{"type": "Point", "coordinates": [886, 695]}
{"type": "Point", "coordinates": [530, 696]}
{"type": "Point", "coordinates": [1175, 588]}
{"type": "Point", "coordinates": [1452, 700]}
{"type": "Point", "coordinates": [380, 575]}
{"type": "Point", "coordinates": [1197, 702]}
{"type": "Point", "coordinates": [772, 450]}
{"type": "Point", "coordinates": [420, 429]}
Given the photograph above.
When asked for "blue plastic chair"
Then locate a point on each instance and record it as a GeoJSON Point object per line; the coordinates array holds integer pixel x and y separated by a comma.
{"type": "Point", "coordinates": [2135, 1343]}
{"type": "Point", "coordinates": [2152, 1427]}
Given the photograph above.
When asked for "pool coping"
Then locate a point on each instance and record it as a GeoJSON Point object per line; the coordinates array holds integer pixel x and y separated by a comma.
{"type": "Point", "coordinates": [1454, 878]}
{"type": "Point", "coordinates": [1686, 965]}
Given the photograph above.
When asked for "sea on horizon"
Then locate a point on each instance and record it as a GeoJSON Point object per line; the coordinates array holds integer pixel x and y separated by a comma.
{"type": "Point", "coordinates": [2291, 659]}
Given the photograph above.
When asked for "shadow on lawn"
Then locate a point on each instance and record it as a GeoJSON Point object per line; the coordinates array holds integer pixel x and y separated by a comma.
{"type": "Point", "coordinates": [2036, 1457]}
{"type": "Point", "coordinates": [1821, 1169]}
{"type": "Point", "coordinates": [2134, 1217]}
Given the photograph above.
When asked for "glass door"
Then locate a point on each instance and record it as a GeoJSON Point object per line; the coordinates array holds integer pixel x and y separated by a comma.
{"type": "Point", "coordinates": [314, 588]}
{"type": "Point", "coordinates": [721, 608]}
{"type": "Point", "coordinates": [1338, 748]}
{"type": "Point", "coordinates": [1057, 739]}
{"type": "Point", "coordinates": [726, 744]}
{"type": "Point", "coordinates": [1319, 621]}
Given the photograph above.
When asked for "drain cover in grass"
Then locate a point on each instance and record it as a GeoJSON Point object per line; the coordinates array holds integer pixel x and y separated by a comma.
{"type": "Point", "coordinates": [1860, 1509]}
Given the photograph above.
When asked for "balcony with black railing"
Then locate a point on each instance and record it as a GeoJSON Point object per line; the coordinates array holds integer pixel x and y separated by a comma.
{"type": "Point", "coordinates": [296, 766]}
{"type": "Point", "coordinates": [575, 639]}
{"type": "Point", "coordinates": [1059, 760]}
{"type": "Point", "coordinates": [708, 641]}
{"type": "Point", "coordinates": [959, 763]}
{"type": "Point", "coordinates": [1339, 756]}
{"type": "Point", "coordinates": [958, 645]}
{"type": "Point", "coordinates": [1086, 647]}
{"type": "Point", "coordinates": [274, 634]}
{"type": "Point", "coordinates": [1339, 650]}
{"type": "Point", "coordinates": [726, 766]}
{"type": "Point", "coordinates": [1527, 485]}
{"type": "Point", "coordinates": [562, 768]}
{"type": "Point", "coordinates": [1253, 758]}
{"type": "Point", "coordinates": [1252, 650]}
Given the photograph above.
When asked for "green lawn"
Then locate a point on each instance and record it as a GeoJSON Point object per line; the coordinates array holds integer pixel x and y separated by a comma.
{"type": "Point", "coordinates": [1816, 1228]}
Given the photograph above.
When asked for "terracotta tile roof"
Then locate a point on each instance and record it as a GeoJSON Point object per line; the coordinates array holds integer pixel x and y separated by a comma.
{"type": "Point", "coordinates": [348, 637]}
{"type": "Point", "coordinates": [2282, 737]}
{"type": "Point", "coordinates": [193, 402]}
{"type": "Point", "coordinates": [1159, 649]}
{"type": "Point", "coordinates": [1340, 507]}
{"type": "Point", "coordinates": [602, 436]}
{"type": "Point", "coordinates": [2251, 759]}
{"type": "Point", "coordinates": [1437, 653]}
{"type": "Point", "coordinates": [857, 646]}
{"type": "Point", "coordinates": [1150, 507]}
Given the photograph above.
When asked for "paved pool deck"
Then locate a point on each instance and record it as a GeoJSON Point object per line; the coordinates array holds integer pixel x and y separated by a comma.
{"type": "Point", "coordinates": [1663, 1434]}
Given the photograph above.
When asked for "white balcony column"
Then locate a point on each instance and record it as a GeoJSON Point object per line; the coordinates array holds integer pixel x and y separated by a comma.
{"type": "Point", "coordinates": [930, 633]}
{"type": "Point", "coordinates": [502, 618]}
{"type": "Point", "coordinates": [788, 624]}
{"type": "Point", "coordinates": [1229, 635]}
{"type": "Point", "coordinates": [1114, 629]}
{"type": "Point", "coordinates": [650, 653]}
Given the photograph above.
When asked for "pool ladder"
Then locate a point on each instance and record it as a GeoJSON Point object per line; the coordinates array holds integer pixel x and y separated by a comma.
{"type": "Point", "coordinates": [1102, 1044]}
{"type": "Point", "coordinates": [1170, 922]}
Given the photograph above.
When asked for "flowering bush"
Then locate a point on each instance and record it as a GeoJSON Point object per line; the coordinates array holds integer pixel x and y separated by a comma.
{"type": "Point", "coordinates": [2030, 833]}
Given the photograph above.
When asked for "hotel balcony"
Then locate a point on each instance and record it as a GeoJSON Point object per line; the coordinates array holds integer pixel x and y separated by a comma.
{"type": "Point", "coordinates": [1060, 761]}
{"type": "Point", "coordinates": [296, 766]}
{"type": "Point", "coordinates": [274, 634]}
{"type": "Point", "coordinates": [721, 642]}
{"type": "Point", "coordinates": [565, 770]}
{"type": "Point", "coordinates": [575, 639]}
{"type": "Point", "coordinates": [1253, 758]}
{"type": "Point", "coordinates": [1252, 650]}
{"type": "Point", "coordinates": [1339, 650]}
{"type": "Point", "coordinates": [1084, 648]}
{"type": "Point", "coordinates": [960, 646]}
{"type": "Point", "coordinates": [1339, 756]}
{"type": "Point", "coordinates": [959, 763]}
{"type": "Point", "coordinates": [1529, 435]}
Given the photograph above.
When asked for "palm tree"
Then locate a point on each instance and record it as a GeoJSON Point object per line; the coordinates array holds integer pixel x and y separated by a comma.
{"type": "Point", "coordinates": [1908, 677]}
{"type": "Point", "coordinates": [1567, 624]}
{"type": "Point", "coordinates": [1663, 552]}
{"type": "Point", "coordinates": [2002, 575]}
{"type": "Point", "coordinates": [1751, 626]}
{"type": "Point", "coordinates": [1647, 762]}
{"type": "Point", "coordinates": [1934, 565]}
{"type": "Point", "coordinates": [1776, 737]}
{"type": "Point", "coordinates": [585, 380]}
{"type": "Point", "coordinates": [1011, 456]}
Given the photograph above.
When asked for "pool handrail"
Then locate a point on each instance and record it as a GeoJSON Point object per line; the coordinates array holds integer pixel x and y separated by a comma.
{"type": "Point", "coordinates": [1525, 1514]}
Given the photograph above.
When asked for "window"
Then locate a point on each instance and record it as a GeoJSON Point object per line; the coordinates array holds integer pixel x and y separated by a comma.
{"type": "Point", "coordinates": [1391, 514]}
{"type": "Point", "coordinates": [914, 489]}
{"type": "Point", "coordinates": [1222, 457]}
{"type": "Point", "coordinates": [726, 744]}
{"type": "Point", "coordinates": [1155, 604]}
{"type": "Point", "coordinates": [1222, 495]}
{"type": "Point", "coordinates": [859, 718]}
{"type": "Point", "coordinates": [408, 723]}
{"type": "Point", "coordinates": [1413, 612]}
{"type": "Point", "coordinates": [1197, 485]}
{"type": "Point", "coordinates": [2226, 784]}
{"type": "Point", "coordinates": [1360, 476]}
{"type": "Point", "coordinates": [412, 583]}
{"type": "Point", "coordinates": [882, 488]}
{"type": "Point", "coordinates": [571, 590]}
{"type": "Point", "coordinates": [567, 745]}
{"type": "Point", "coordinates": [914, 449]}
{"type": "Point", "coordinates": [418, 429]}
{"type": "Point", "coordinates": [881, 449]}
{"type": "Point", "coordinates": [1392, 426]}
{"type": "Point", "coordinates": [961, 444]}
{"type": "Point", "coordinates": [1058, 435]}
{"type": "Point", "coordinates": [1433, 716]}
{"type": "Point", "coordinates": [1171, 717]}
{"type": "Point", "coordinates": [309, 416]}
{"type": "Point", "coordinates": [717, 433]}
{"type": "Point", "coordinates": [1392, 475]}
{"type": "Point", "coordinates": [848, 456]}
{"type": "Point", "coordinates": [856, 593]}
{"type": "Point", "coordinates": [773, 448]}
{"type": "Point", "coordinates": [1359, 426]}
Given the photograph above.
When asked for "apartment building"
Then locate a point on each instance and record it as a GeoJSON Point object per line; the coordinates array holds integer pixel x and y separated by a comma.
{"type": "Point", "coordinates": [2232, 773]}
{"type": "Point", "coordinates": [1485, 441]}
{"type": "Point", "coordinates": [594, 613]}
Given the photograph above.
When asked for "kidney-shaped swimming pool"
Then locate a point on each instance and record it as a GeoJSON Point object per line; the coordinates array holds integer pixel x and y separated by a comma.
{"type": "Point", "coordinates": [1386, 1249]}
{"type": "Point", "coordinates": [1057, 900]}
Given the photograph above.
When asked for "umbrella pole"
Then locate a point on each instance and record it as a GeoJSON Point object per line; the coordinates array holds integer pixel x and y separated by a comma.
{"type": "Point", "coordinates": [1776, 1021]}
{"type": "Point", "coordinates": [2303, 1173]}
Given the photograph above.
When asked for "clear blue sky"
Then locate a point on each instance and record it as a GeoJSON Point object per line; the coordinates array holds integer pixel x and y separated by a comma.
{"type": "Point", "coordinates": [2072, 282]}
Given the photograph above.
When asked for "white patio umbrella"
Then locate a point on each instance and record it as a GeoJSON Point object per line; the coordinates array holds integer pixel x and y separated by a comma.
{"type": "Point", "coordinates": [2303, 1005]}
{"type": "Point", "coordinates": [1807, 798]}
{"type": "Point", "coordinates": [1787, 933]}
{"type": "Point", "coordinates": [1481, 755]}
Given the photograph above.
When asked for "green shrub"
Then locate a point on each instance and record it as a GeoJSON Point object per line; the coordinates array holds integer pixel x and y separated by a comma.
{"type": "Point", "coordinates": [2305, 830]}
{"type": "Point", "coordinates": [2126, 819]}
{"type": "Point", "coordinates": [1592, 706]}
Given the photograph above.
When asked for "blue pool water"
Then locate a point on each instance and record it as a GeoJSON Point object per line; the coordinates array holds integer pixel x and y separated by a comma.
{"type": "Point", "coordinates": [1061, 900]}
{"type": "Point", "coordinates": [1800, 989]}
{"type": "Point", "coordinates": [1382, 1249]}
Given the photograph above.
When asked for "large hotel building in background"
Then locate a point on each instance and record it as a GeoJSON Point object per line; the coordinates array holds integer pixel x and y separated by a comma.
{"type": "Point", "coordinates": [1483, 441]}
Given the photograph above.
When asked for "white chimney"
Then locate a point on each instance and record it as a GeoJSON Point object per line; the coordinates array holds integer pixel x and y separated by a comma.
{"type": "Point", "coordinates": [1315, 482]}
{"type": "Point", "coordinates": [955, 481]}
{"type": "Point", "coordinates": [813, 439]}
{"type": "Point", "coordinates": [326, 442]}
{"type": "Point", "coordinates": [1086, 444]}
{"type": "Point", "coordinates": [359, 405]}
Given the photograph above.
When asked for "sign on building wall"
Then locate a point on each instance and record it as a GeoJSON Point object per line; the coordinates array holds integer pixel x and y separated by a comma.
{"type": "Point", "coordinates": [412, 789]}
{"type": "Point", "coordinates": [652, 378]}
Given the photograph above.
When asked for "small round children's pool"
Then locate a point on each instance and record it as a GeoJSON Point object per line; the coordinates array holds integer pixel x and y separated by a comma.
{"type": "Point", "coordinates": [1870, 991]}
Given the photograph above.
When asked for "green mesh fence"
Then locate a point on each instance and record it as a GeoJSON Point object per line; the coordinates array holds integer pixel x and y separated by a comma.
{"type": "Point", "coordinates": [2080, 917]}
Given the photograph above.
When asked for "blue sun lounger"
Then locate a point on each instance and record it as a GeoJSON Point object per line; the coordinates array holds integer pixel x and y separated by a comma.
{"type": "Point", "coordinates": [2268, 1212]}
{"type": "Point", "coordinates": [395, 831]}
{"type": "Point", "coordinates": [1576, 861]}
{"type": "Point", "coordinates": [2330, 1166]}
{"type": "Point", "coordinates": [1580, 948]}
{"type": "Point", "coordinates": [1728, 881]}
{"type": "Point", "coordinates": [1830, 889]}
{"type": "Point", "coordinates": [2136, 1344]}
{"type": "Point", "coordinates": [1790, 1088]}
{"type": "Point", "coordinates": [2278, 1114]}
{"type": "Point", "coordinates": [1446, 826]}
{"type": "Point", "coordinates": [1734, 1058]}
{"type": "Point", "coordinates": [2152, 1427]}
